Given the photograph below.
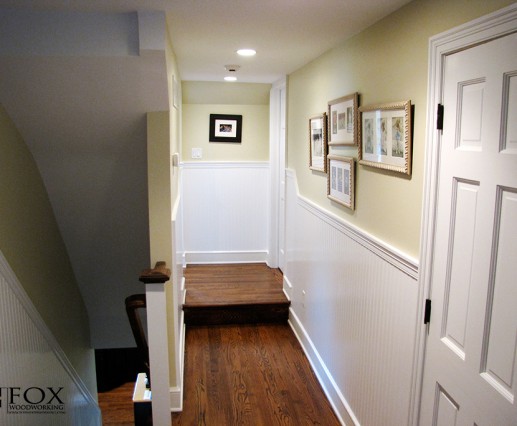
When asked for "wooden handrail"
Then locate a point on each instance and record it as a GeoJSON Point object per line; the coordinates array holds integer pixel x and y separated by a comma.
{"type": "Point", "coordinates": [159, 274]}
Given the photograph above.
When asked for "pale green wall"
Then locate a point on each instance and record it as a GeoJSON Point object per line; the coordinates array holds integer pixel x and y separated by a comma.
{"type": "Point", "coordinates": [158, 176]}
{"type": "Point", "coordinates": [206, 92]}
{"type": "Point", "coordinates": [200, 99]}
{"type": "Point", "coordinates": [32, 245]}
{"type": "Point", "coordinates": [386, 63]}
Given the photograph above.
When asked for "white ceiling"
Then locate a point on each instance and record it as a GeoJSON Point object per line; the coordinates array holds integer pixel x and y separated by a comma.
{"type": "Point", "coordinates": [287, 34]}
{"type": "Point", "coordinates": [73, 83]}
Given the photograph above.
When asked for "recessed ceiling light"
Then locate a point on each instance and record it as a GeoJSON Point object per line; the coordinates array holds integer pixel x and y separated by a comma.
{"type": "Point", "coordinates": [230, 78]}
{"type": "Point", "coordinates": [246, 52]}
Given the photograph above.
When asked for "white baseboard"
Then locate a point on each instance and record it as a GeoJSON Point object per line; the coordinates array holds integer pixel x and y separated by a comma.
{"type": "Point", "coordinates": [287, 287]}
{"type": "Point", "coordinates": [215, 257]}
{"type": "Point", "coordinates": [176, 395]}
{"type": "Point", "coordinates": [339, 404]}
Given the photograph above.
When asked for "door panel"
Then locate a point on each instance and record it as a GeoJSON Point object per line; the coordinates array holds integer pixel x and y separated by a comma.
{"type": "Point", "coordinates": [501, 340]}
{"type": "Point", "coordinates": [470, 374]}
{"type": "Point", "coordinates": [509, 125]}
{"type": "Point", "coordinates": [446, 408]}
{"type": "Point", "coordinates": [459, 267]}
{"type": "Point", "coordinates": [470, 108]}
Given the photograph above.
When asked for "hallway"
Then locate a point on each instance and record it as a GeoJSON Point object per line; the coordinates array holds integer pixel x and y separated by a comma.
{"type": "Point", "coordinates": [238, 374]}
{"type": "Point", "coordinates": [247, 374]}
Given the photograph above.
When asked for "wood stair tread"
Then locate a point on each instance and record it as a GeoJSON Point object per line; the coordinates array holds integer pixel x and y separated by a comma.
{"type": "Point", "coordinates": [234, 294]}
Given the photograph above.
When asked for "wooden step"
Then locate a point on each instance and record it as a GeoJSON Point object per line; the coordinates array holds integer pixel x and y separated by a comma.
{"type": "Point", "coordinates": [234, 294]}
{"type": "Point", "coordinates": [236, 314]}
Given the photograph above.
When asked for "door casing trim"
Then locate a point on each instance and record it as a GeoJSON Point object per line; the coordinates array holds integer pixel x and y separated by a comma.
{"type": "Point", "coordinates": [478, 31]}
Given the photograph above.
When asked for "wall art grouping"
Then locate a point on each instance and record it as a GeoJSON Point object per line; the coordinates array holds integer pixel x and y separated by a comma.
{"type": "Point", "coordinates": [381, 133]}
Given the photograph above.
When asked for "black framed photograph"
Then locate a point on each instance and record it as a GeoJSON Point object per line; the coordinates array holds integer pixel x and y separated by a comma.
{"type": "Point", "coordinates": [341, 180]}
{"type": "Point", "coordinates": [225, 128]}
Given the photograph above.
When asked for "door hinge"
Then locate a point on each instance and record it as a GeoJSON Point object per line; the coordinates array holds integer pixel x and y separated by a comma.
{"type": "Point", "coordinates": [427, 311]}
{"type": "Point", "coordinates": [439, 117]}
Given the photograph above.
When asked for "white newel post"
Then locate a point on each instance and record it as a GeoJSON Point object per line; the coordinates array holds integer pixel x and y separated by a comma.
{"type": "Point", "coordinates": [155, 281]}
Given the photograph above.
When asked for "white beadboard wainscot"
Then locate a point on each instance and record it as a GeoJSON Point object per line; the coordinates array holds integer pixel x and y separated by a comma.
{"type": "Point", "coordinates": [225, 211]}
{"type": "Point", "coordinates": [30, 357]}
{"type": "Point", "coordinates": [354, 309]}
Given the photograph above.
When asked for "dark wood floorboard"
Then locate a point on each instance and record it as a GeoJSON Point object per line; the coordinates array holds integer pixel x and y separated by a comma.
{"type": "Point", "coordinates": [250, 375]}
{"type": "Point", "coordinates": [117, 406]}
{"type": "Point", "coordinates": [212, 285]}
{"type": "Point", "coordinates": [239, 375]}
{"type": "Point", "coordinates": [255, 374]}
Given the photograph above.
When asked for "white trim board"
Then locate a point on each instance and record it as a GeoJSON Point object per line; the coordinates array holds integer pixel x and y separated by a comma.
{"type": "Point", "coordinates": [478, 31]}
{"type": "Point", "coordinates": [32, 330]}
{"type": "Point", "coordinates": [395, 257]}
{"type": "Point", "coordinates": [176, 393]}
{"type": "Point", "coordinates": [224, 164]}
{"type": "Point", "coordinates": [217, 257]}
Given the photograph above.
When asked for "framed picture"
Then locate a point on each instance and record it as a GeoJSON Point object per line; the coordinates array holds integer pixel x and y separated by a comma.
{"type": "Point", "coordinates": [343, 120]}
{"type": "Point", "coordinates": [318, 143]}
{"type": "Point", "coordinates": [385, 136]}
{"type": "Point", "coordinates": [225, 128]}
{"type": "Point", "coordinates": [340, 180]}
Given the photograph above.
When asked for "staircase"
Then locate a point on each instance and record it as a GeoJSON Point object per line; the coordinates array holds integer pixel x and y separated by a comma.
{"type": "Point", "coordinates": [234, 294]}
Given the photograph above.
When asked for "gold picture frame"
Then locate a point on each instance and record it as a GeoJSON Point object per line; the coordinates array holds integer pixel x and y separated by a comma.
{"type": "Point", "coordinates": [318, 142]}
{"type": "Point", "coordinates": [343, 120]}
{"type": "Point", "coordinates": [385, 136]}
{"type": "Point", "coordinates": [341, 180]}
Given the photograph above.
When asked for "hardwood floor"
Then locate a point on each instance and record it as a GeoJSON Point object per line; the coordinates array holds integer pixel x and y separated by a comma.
{"type": "Point", "coordinates": [247, 374]}
{"type": "Point", "coordinates": [117, 406]}
{"type": "Point", "coordinates": [250, 375]}
{"type": "Point", "coordinates": [239, 375]}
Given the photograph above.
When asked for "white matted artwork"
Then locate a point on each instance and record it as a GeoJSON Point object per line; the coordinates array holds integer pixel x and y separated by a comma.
{"type": "Point", "coordinates": [385, 136]}
{"type": "Point", "coordinates": [343, 120]}
{"type": "Point", "coordinates": [225, 128]}
{"type": "Point", "coordinates": [318, 143]}
{"type": "Point", "coordinates": [340, 180]}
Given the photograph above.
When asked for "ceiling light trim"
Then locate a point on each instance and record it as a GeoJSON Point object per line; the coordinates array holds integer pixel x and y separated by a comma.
{"type": "Point", "coordinates": [246, 52]}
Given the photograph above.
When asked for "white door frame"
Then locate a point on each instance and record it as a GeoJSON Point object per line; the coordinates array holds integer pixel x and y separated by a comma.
{"type": "Point", "coordinates": [489, 27]}
{"type": "Point", "coordinates": [277, 101]}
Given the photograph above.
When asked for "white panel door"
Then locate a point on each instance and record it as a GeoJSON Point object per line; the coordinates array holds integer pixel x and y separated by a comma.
{"type": "Point", "coordinates": [470, 375]}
